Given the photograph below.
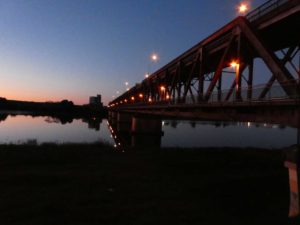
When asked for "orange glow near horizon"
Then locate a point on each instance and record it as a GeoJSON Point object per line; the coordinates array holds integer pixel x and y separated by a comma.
{"type": "Point", "coordinates": [39, 97]}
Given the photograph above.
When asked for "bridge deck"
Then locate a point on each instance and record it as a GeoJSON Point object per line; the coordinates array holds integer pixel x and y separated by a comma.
{"type": "Point", "coordinates": [196, 76]}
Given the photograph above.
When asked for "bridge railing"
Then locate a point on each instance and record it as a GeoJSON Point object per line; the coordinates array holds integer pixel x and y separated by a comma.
{"type": "Point", "coordinates": [265, 8]}
{"type": "Point", "coordinates": [275, 92]}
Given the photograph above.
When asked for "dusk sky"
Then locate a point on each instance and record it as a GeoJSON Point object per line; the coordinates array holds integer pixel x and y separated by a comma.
{"type": "Point", "coordinates": [52, 50]}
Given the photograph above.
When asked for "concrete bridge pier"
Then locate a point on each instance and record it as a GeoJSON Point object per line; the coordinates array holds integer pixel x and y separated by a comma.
{"type": "Point", "coordinates": [124, 122]}
{"type": "Point", "coordinates": [146, 132]}
{"type": "Point", "coordinates": [293, 164]}
{"type": "Point", "coordinates": [112, 117]}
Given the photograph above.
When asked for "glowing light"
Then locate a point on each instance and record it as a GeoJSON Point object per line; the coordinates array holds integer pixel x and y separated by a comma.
{"type": "Point", "coordinates": [125, 100]}
{"type": "Point", "coordinates": [126, 83]}
{"type": "Point", "coordinates": [162, 88]}
{"type": "Point", "coordinates": [146, 75]}
{"type": "Point", "coordinates": [121, 102]}
{"type": "Point", "coordinates": [149, 100]}
{"type": "Point", "coordinates": [234, 64]}
{"type": "Point", "coordinates": [127, 89]}
{"type": "Point", "coordinates": [243, 8]}
{"type": "Point", "coordinates": [168, 96]}
{"type": "Point", "coordinates": [141, 95]}
{"type": "Point", "coordinates": [132, 98]}
{"type": "Point", "coordinates": [154, 57]}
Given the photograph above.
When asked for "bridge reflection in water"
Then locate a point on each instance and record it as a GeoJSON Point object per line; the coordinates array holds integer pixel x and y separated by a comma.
{"type": "Point", "coordinates": [137, 131]}
{"type": "Point", "coordinates": [195, 84]}
{"type": "Point", "coordinates": [130, 131]}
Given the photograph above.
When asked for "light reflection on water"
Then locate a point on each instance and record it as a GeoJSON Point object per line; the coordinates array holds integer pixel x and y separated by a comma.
{"type": "Point", "coordinates": [20, 129]}
{"type": "Point", "coordinates": [226, 134]}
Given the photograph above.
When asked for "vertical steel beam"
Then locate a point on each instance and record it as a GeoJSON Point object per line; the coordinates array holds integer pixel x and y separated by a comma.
{"type": "Point", "coordinates": [283, 76]}
{"type": "Point", "coordinates": [220, 89]}
{"type": "Point", "coordinates": [218, 70]}
{"type": "Point", "coordinates": [191, 74]}
{"type": "Point", "coordinates": [179, 83]}
{"type": "Point", "coordinates": [250, 79]}
{"type": "Point", "coordinates": [273, 78]}
{"type": "Point", "coordinates": [230, 90]}
{"type": "Point", "coordinates": [201, 77]}
{"type": "Point", "coordinates": [238, 82]}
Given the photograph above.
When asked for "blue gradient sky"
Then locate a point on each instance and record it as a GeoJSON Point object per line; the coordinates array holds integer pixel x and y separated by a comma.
{"type": "Point", "coordinates": [71, 49]}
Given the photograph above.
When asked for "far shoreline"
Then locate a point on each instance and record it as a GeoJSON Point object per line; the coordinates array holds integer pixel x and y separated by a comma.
{"type": "Point", "coordinates": [63, 108]}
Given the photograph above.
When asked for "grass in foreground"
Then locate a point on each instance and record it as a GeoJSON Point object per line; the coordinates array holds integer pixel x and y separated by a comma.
{"type": "Point", "coordinates": [95, 184]}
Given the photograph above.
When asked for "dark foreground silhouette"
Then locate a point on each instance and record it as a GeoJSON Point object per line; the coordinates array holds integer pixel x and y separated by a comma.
{"type": "Point", "coordinates": [96, 184]}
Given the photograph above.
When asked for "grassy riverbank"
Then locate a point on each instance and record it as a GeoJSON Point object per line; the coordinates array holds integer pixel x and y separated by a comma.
{"type": "Point", "coordinates": [95, 184]}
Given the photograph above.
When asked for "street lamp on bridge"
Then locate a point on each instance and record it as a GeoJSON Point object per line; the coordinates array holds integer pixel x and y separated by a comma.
{"type": "Point", "coordinates": [243, 8]}
{"type": "Point", "coordinates": [153, 58]}
{"type": "Point", "coordinates": [236, 65]}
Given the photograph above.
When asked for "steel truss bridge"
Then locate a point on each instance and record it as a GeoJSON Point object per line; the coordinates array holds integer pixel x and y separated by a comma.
{"type": "Point", "coordinates": [215, 78]}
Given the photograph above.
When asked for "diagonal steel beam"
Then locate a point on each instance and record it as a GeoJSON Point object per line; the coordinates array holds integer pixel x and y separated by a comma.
{"type": "Point", "coordinates": [195, 65]}
{"type": "Point", "coordinates": [273, 78]}
{"type": "Point", "coordinates": [230, 90]}
{"type": "Point", "coordinates": [233, 86]}
{"type": "Point", "coordinates": [219, 69]}
{"type": "Point", "coordinates": [283, 76]}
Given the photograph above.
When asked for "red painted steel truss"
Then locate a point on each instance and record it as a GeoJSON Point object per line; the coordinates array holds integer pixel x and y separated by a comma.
{"type": "Point", "coordinates": [197, 75]}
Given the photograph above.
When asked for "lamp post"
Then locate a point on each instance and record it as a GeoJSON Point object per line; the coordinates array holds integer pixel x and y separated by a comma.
{"type": "Point", "coordinates": [236, 66]}
{"type": "Point", "coordinates": [153, 58]}
{"type": "Point", "coordinates": [126, 84]}
{"type": "Point", "coordinates": [163, 92]}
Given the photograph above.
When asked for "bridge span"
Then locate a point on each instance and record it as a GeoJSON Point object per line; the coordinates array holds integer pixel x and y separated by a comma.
{"type": "Point", "coordinates": [215, 78]}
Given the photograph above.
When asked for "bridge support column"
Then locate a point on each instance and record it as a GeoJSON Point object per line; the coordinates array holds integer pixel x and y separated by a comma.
{"type": "Point", "coordinates": [124, 122]}
{"type": "Point", "coordinates": [293, 164]}
{"type": "Point", "coordinates": [112, 117]}
{"type": "Point", "coordinates": [146, 132]}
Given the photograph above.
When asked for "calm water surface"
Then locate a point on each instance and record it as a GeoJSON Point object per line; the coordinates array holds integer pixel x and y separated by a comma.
{"type": "Point", "coordinates": [227, 134]}
{"type": "Point", "coordinates": [21, 129]}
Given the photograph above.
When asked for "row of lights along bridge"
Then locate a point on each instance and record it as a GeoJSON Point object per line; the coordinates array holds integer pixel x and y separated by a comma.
{"type": "Point", "coordinates": [164, 94]}
{"type": "Point", "coordinates": [242, 9]}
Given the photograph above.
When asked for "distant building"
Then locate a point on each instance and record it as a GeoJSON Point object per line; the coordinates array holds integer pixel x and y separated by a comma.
{"type": "Point", "coordinates": [96, 100]}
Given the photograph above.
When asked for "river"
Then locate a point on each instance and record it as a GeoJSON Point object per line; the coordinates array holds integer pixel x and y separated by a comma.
{"type": "Point", "coordinates": [19, 129]}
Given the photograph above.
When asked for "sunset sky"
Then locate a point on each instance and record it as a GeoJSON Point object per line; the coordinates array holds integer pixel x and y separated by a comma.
{"type": "Point", "coordinates": [52, 50]}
